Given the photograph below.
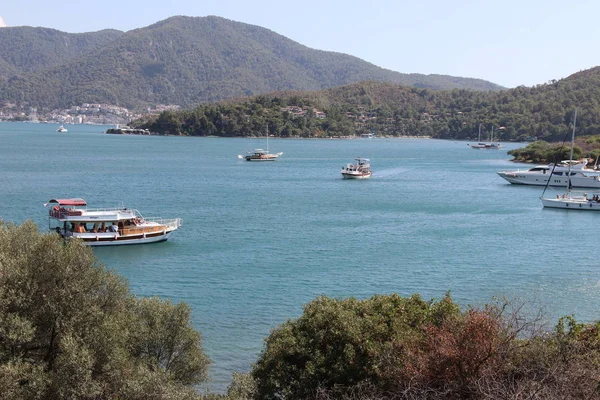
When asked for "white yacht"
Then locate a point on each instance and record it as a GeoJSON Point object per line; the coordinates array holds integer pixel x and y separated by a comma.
{"type": "Point", "coordinates": [555, 175]}
{"type": "Point", "coordinates": [61, 129]}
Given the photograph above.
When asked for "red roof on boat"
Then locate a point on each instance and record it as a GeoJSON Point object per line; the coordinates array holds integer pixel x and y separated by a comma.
{"type": "Point", "coordinates": [69, 202]}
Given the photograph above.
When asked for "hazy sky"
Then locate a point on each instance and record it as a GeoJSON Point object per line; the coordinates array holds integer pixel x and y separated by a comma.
{"type": "Point", "coordinates": [508, 42]}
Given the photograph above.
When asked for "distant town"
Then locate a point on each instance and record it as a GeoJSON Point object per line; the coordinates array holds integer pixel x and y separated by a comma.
{"type": "Point", "coordinates": [98, 114]}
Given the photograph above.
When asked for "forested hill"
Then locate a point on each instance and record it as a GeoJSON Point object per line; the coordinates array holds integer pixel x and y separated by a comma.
{"type": "Point", "coordinates": [541, 112]}
{"type": "Point", "coordinates": [25, 49]}
{"type": "Point", "coordinates": [181, 60]}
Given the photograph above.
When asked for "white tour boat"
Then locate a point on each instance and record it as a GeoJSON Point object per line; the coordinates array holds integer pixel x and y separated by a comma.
{"type": "Point", "coordinates": [555, 175]}
{"type": "Point", "coordinates": [360, 170]}
{"type": "Point", "coordinates": [106, 226]}
{"type": "Point", "coordinates": [61, 129]}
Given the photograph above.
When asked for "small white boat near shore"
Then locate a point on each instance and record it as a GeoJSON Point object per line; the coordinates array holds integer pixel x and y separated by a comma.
{"type": "Point", "coordinates": [61, 129]}
{"type": "Point", "coordinates": [71, 218]}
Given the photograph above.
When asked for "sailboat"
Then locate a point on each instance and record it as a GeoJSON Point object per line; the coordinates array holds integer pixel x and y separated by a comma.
{"type": "Point", "coordinates": [487, 146]}
{"type": "Point", "coordinates": [260, 154]}
{"type": "Point", "coordinates": [571, 200]}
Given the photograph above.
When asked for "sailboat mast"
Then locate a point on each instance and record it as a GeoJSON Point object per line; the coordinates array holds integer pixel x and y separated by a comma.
{"type": "Point", "coordinates": [479, 137]}
{"type": "Point", "coordinates": [571, 154]}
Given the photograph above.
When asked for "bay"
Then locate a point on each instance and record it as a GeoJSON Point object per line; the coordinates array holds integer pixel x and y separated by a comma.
{"type": "Point", "coordinates": [260, 240]}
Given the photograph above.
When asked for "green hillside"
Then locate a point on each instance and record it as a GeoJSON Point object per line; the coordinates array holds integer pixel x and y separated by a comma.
{"type": "Point", "coordinates": [26, 49]}
{"type": "Point", "coordinates": [541, 112]}
{"type": "Point", "coordinates": [189, 61]}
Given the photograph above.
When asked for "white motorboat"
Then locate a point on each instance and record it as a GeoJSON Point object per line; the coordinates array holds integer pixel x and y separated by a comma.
{"type": "Point", "coordinates": [61, 129]}
{"type": "Point", "coordinates": [360, 170]}
{"type": "Point", "coordinates": [560, 174]}
{"type": "Point", "coordinates": [570, 200]}
{"type": "Point", "coordinates": [71, 218]}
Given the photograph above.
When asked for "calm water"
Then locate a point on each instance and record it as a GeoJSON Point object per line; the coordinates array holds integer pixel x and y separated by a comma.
{"type": "Point", "coordinates": [261, 240]}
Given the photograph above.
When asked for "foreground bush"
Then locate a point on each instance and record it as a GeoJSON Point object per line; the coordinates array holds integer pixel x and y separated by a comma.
{"type": "Point", "coordinates": [388, 347]}
{"type": "Point", "coordinates": [70, 329]}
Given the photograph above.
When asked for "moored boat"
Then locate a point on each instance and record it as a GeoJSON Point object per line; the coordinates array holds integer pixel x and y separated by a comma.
{"type": "Point", "coordinates": [262, 155]}
{"type": "Point", "coordinates": [71, 218]}
{"type": "Point", "coordinates": [571, 200]}
{"type": "Point", "coordinates": [577, 173]}
{"type": "Point", "coordinates": [486, 146]}
{"type": "Point", "coordinates": [360, 170]}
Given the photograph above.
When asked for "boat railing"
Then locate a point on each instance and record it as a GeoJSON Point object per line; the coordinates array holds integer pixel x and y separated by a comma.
{"type": "Point", "coordinates": [172, 223]}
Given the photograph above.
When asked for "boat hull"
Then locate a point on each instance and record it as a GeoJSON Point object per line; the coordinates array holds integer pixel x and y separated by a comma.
{"type": "Point", "coordinates": [261, 159]}
{"type": "Point", "coordinates": [113, 239]}
{"type": "Point", "coordinates": [355, 176]}
{"type": "Point", "coordinates": [580, 204]}
{"type": "Point", "coordinates": [129, 240]}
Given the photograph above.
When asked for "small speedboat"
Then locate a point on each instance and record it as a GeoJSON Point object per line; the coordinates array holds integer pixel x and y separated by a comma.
{"type": "Point", "coordinates": [61, 129]}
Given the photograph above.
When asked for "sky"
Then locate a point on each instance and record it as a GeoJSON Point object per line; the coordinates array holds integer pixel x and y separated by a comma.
{"type": "Point", "coordinates": [508, 42]}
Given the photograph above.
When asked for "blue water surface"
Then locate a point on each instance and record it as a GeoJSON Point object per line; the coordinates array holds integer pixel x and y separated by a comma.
{"type": "Point", "coordinates": [260, 240]}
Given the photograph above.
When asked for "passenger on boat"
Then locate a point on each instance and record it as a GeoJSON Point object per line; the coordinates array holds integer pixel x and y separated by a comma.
{"type": "Point", "coordinates": [114, 227]}
{"type": "Point", "coordinates": [81, 228]}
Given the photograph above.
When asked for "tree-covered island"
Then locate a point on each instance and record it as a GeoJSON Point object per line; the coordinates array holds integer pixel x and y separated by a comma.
{"type": "Point", "coordinates": [543, 112]}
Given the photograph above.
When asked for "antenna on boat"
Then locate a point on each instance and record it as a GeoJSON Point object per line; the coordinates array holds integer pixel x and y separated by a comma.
{"type": "Point", "coordinates": [571, 154]}
{"type": "Point", "coordinates": [267, 137]}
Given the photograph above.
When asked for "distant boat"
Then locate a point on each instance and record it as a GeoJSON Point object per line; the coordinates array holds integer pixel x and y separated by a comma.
{"type": "Point", "coordinates": [571, 200]}
{"type": "Point", "coordinates": [369, 135]}
{"type": "Point", "coordinates": [486, 146]}
{"type": "Point", "coordinates": [61, 129]}
{"type": "Point", "coordinates": [360, 170]}
{"type": "Point", "coordinates": [260, 154]}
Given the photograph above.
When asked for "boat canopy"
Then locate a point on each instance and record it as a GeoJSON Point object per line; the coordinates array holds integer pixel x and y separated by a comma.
{"type": "Point", "coordinates": [68, 202]}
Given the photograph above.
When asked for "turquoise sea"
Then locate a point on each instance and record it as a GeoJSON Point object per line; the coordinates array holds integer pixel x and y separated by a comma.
{"type": "Point", "coordinates": [260, 240]}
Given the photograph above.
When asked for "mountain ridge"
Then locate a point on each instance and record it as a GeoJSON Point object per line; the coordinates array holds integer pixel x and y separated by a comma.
{"type": "Point", "coordinates": [185, 61]}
